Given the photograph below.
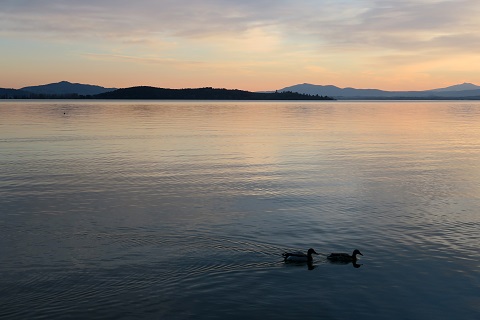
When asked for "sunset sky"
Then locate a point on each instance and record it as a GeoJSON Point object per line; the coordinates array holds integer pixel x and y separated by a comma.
{"type": "Point", "coordinates": [247, 44]}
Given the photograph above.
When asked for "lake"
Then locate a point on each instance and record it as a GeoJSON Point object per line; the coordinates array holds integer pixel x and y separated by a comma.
{"type": "Point", "coordinates": [182, 209]}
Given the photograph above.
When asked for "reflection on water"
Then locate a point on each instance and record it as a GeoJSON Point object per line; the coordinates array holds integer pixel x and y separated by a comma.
{"type": "Point", "coordinates": [310, 265]}
{"type": "Point", "coordinates": [182, 209]}
{"type": "Point", "coordinates": [355, 264]}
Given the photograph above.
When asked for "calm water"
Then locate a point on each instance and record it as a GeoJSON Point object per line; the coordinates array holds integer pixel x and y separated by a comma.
{"type": "Point", "coordinates": [181, 210]}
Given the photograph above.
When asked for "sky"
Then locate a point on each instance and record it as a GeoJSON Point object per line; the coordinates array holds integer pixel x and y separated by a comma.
{"type": "Point", "coordinates": [244, 44]}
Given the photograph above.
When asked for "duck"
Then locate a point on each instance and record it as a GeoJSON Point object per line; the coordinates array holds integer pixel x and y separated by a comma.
{"type": "Point", "coordinates": [299, 256]}
{"type": "Point", "coordinates": [344, 257]}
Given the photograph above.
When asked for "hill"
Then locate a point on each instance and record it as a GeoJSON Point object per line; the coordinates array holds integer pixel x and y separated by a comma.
{"type": "Point", "coordinates": [67, 88]}
{"type": "Point", "coordinates": [464, 91]}
{"type": "Point", "coordinates": [207, 93]}
{"type": "Point", "coordinates": [458, 87]}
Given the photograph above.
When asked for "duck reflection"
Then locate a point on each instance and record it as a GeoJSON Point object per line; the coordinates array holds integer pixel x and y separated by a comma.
{"type": "Point", "coordinates": [355, 264]}
{"type": "Point", "coordinates": [308, 264]}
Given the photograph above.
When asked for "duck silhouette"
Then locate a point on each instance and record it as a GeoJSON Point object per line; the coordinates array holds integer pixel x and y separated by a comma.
{"type": "Point", "coordinates": [344, 257]}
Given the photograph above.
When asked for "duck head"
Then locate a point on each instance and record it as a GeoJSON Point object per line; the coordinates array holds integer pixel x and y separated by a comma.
{"type": "Point", "coordinates": [355, 252]}
{"type": "Point", "coordinates": [311, 251]}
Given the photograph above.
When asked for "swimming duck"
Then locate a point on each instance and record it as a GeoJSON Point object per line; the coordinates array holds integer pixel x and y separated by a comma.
{"type": "Point", "coordinates": [344, 257]}
{"type": "Point", "coordinates": [299, 256]}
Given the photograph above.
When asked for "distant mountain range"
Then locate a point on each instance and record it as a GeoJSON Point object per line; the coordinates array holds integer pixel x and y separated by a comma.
{"type": "Point", "coordinates": [460, 91]}
{"type": "Point", "coordinates": [67, 90]}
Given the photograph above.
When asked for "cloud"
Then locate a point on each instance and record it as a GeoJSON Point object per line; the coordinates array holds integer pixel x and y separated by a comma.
{"type": "Point", "coordinates": [399, 25]}
{"type": "Point", "coordinates": [321, 38]}
{"type": "Point", "coordinates": [123, 18]}
{"type": "Point", "coordinates": [142, 59]}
